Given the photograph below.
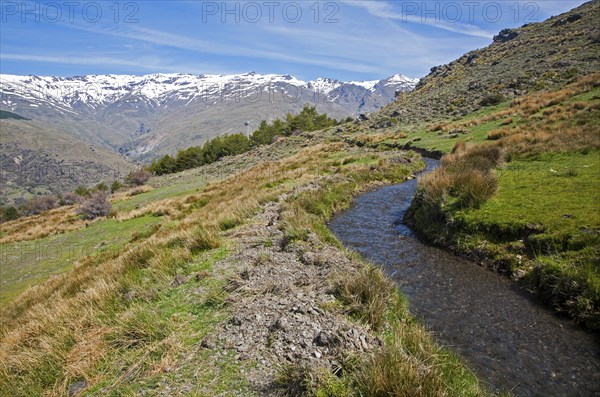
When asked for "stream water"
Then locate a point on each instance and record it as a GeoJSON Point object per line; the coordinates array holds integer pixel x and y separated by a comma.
{"type": "Point", "coordinates": [509, 340]}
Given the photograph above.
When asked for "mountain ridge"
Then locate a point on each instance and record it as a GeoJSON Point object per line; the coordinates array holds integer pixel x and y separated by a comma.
{"type": "Point", "coordinates": [150, 115]}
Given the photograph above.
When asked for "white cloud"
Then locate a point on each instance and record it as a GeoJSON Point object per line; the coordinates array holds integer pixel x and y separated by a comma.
{"type": "Point", "coordinates": [386, 10]}
{"type": "Point", "coordinates": [145, 63]}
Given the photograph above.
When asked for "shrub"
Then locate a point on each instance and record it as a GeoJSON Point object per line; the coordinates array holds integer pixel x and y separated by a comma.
{"type": "Point", "coordinates": [138, 177]}
{"type": "Point", "coordinates": [115, 185]}
{"type": "Point", "coordinates": [82, 191]}
{"type": "Point", "coordinates": [40, 204]}
{"type": "Point", "coordinates": [96, 205]}
{"type": "Point", "coordinates": [70, 198]}
{"type": "Point", "coordinates": [8, 213]}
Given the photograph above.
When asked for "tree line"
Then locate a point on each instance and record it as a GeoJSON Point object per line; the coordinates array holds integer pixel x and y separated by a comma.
{"type": "Point", "coordinates": [227, 145]}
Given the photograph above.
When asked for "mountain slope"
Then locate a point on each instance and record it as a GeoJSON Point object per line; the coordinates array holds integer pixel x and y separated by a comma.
{"type": "Point", "coordinates": [530, 58]}
{"type": "Point", "coordinates": [38, 159]}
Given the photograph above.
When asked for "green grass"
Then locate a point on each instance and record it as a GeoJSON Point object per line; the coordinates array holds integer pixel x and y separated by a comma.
{"type": "Point", "coordinates": [29, 262]}
{"type": "Point", "coordinates": [180, 188]}
{"type": "Point", "coordinates": [557, 191]}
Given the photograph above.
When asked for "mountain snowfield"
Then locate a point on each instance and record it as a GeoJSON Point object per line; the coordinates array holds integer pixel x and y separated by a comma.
{"type": "Point", "coordinates": [96, 90]}
{"type": "Point", "coordinates": [143, 117]}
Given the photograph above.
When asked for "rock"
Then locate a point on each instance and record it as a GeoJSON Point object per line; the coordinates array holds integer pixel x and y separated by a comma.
{"type": "Point", "coordinates": [506, 35]}
{"type": "Point", "coordinates": [208, 343]}
{"type": "Point", "coordinates": [77, 387]}
{"type": "Point", "coordinates": [201, 275]}
{"type": "Point", "coordinates": [178, 280]}
{"type": "Point", "coordinates": [280, 324]}
{"type": "Point", "coordinates": [325, 339]}
{"type": "Point", "coordinates": [569, 19]}
{"type": "Point", "coordinates": [471, 59]}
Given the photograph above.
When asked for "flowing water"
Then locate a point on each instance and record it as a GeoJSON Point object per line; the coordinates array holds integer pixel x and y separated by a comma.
{"type": "Point", "coordinates": [509, 341]}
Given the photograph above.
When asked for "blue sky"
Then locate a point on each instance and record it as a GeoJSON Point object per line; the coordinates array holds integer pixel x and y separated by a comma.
{"type": "Point", "coordinates": [347, 40]}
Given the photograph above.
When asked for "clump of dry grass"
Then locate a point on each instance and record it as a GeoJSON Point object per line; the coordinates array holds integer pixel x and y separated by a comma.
{"type": "Point", "coordinates": [438, 127]}
{"type": "Point", "coordinates": [466, 175]}
{"type": "Point", "coordinates": [367, 294]}
{"type": "Point", "coordinates": [407, 365]}
{"type": "Point", "coordinates": [497, 134]}
{"type": "Point", "coordinates": [134, 191]}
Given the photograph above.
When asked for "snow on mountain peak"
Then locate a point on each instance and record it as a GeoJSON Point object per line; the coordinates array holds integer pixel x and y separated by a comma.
{"type": "Point", "coordinates": [369, 85]}
{"type": "Point", "coordinates": [324, 85]}
{"type": "Point", "coordinates": [95, 90]}
{"type": "Point", "coordinates": [399, 78]}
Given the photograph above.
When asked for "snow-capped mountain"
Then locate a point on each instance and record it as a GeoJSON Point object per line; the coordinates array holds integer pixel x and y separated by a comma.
{"type": "Point", "coordinates": [97, 90]}
{"type": "Point", "coordinates": [149, 115]}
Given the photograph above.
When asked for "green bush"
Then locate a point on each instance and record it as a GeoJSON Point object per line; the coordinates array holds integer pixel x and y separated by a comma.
{"type": "Point", "coordinates": [8, 213]}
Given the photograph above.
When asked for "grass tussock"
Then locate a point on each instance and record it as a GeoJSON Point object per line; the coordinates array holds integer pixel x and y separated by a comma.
{"type": "Point", "coordinates": [465, 178]}
{"type": "Point", "coordinates": [366, 295]}
{"type": "Point", "coordinates": [408, 365]}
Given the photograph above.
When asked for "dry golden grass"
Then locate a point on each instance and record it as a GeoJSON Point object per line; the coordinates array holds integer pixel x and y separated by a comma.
{"type": "Point", "coordinates": [134, 191]}
{"type": "Point", "coordinates": [55, 221]}
{"type": "Point", "coordinates": [466, 174]}
{"type": "Point", "coordinates": [533, 103]}
{"type": "Point", "coordinates": [541, 140]}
